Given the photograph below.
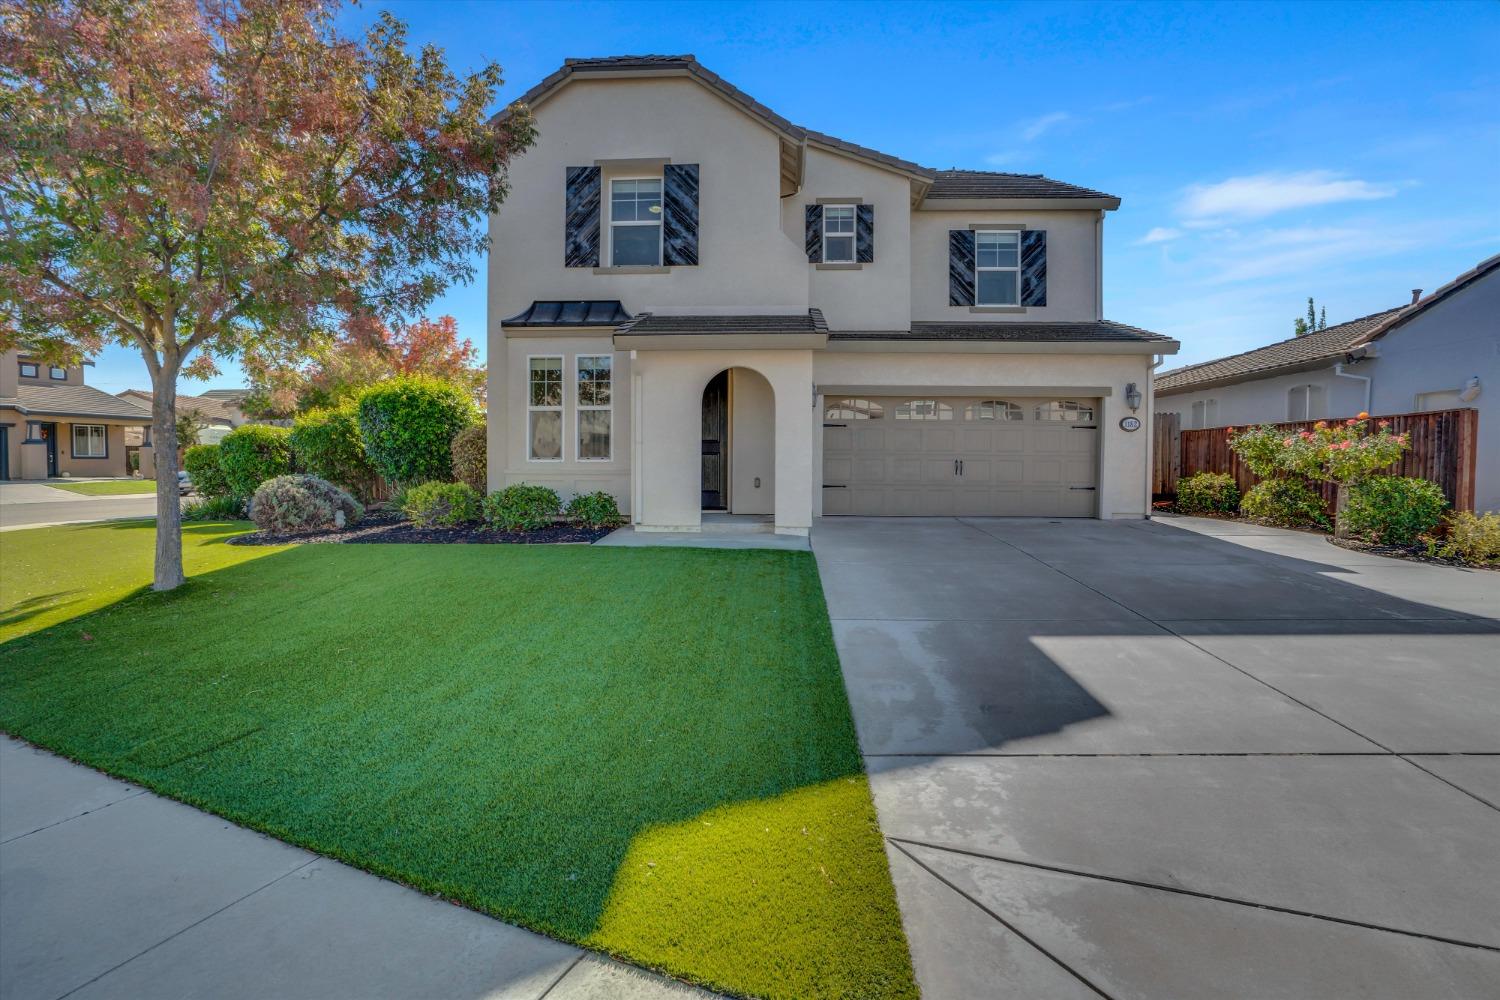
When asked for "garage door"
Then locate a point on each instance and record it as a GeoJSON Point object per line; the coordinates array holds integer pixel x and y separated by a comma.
{"type": "Point", "coordinates": [969, 456]}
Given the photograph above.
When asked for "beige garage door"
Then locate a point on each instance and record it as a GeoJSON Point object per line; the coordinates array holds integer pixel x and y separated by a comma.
{"type": "Point", "coordinates": [951, 456]}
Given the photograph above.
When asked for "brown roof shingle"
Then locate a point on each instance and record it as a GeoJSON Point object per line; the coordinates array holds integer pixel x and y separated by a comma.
{"type": "Point", "coordinates": [649, 324]}
{"type": "Point", "coordinates": [990, 184]}
{"type": "Point", "coordinates": [1096, 331]}
{"type": "Point", "coordinates": [73, 401]}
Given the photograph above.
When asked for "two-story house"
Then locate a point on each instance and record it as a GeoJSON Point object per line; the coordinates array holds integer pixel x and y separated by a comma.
{"type": "Point", "coordinates": [52, 424]}
{"type": "Point", "coordinates": [699, 306]}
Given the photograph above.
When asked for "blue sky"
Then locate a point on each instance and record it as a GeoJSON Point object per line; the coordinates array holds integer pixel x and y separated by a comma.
{"type": "Point", "coordinates": [1263, 152]}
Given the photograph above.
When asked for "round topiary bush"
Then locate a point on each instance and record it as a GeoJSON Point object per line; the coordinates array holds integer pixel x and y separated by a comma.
{"type": "Point", "coordinates": [1393, 510]}
{"type": "Point", "coordinates": [594, 510]}
{"type": "Point", "coordinates": [1208, 493]}
{"type": "Point", "coordinates": [201, 462]}
{"type": "Point", "coordinates": [327, 443]}
{"type": "Point", "coordinates": [470, 457]}
{"type": "Point", "coordinates": [441, 505]}
{"type": "Point", "coordinates": [251, 454]}
{"type": "Point", "coordinates": [287, 504]}
{"type": "Point", "coordinates": [408, 425]}
{"type": "Point", "coordinates": [1289, 503]}
{"type": "Point", "coordinates": [521, 508]}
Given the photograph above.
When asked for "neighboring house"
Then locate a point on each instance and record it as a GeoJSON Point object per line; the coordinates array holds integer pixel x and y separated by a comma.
{"type": "Point", "coordinates": [697, 305]}
{"type": "Point", "coordinates": [1438, 353]}
{"type": "Point", "coordinates": [217, 411]}
{"type": "Point", "coordinates": [52, 424]}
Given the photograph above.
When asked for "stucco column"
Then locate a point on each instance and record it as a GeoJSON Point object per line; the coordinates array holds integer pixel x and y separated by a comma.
{"type": "Point", "coordinates": [669, 467]}
{"type": "Point", "coordinates": [795, 430]}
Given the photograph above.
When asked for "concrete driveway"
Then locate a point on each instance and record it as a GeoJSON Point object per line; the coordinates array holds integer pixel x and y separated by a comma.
{"type": "Point", "coordinates": [1176, 758]}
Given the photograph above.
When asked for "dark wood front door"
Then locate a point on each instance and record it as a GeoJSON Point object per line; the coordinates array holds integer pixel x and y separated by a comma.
{"type": "Point", "coordinates": [49, 434]}
{"type": "Point", "coordinates": [716, 442]}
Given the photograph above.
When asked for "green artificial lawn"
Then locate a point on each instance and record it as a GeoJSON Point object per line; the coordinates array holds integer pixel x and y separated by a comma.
{"type": "Point", "coordinates": [114, 487]}
{"type": "Point", "coordinates": [645, 751]}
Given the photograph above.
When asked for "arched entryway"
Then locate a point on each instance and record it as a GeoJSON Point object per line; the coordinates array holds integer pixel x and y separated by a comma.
{"type": "Point", "coordinates": [738, 446]}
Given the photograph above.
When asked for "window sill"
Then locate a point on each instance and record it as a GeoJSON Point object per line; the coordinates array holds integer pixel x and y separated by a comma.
{"type": "Point", "coordinates": [997, 309]}
{"type": "Point", "coordinates": [634, 269]}
{"type": "Point", "coordinates": [840, 267]}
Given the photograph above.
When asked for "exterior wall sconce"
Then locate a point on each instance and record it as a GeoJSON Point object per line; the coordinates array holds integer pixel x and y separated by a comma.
{"type": "Point", "coordinates": [1132, 396]}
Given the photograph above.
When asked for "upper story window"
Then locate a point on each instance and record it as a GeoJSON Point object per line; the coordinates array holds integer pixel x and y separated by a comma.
{"type": "Point", "coordinates": [58, 374]}
{"type": "Point", "coordinates": [29, 369]}
{"type": "Point", "coordinates": [635, 222]}
{"type": "Point", "coordinates": [997, 267]}
{"type": "Point", "coordinates": [838, 234]}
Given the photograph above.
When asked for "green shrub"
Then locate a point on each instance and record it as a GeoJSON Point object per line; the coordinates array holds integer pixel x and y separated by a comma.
{"type": "Point", "coordinates": [446, 505]}
{"type": "Point", "coordinates": [1291, 503]}
{"type": "Point", "coordinates": [1471, 537]}
{"type": "Point", "coordinates": [288, 504]}
{"type": "Point", "coordinates": [1393, 510]}
{"type": "Point", "coordinates": [470, 457]}
{"type": "Point", "coordinates": [217, 508]}
{"type": "Point", "coordinates": [521, 508]}
{"type": "Point", "coordinates": [1208, 492]}
{"type": "Point", "coordinates": [251, 454]}
{"type": "Point", "coordinates": [594, 510]}
{"type": "Point", "coordinates": [327, 444]}
{"type": "Point", "coordinates": [408, 424]}
{"type": "Point", "coordinates": [201, 462]}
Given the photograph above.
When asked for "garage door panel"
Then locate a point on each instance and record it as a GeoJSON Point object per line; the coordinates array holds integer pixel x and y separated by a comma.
{"type": "Point", "coordinates": [905, 468]}
{"type": "Point", "coordinates": [837, 469]}
{"type": "Point", "coordinates": [836, 501]}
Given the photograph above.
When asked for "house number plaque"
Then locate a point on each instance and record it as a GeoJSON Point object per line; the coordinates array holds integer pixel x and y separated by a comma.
{"type": "Point", "coordinates": [1130, 423]}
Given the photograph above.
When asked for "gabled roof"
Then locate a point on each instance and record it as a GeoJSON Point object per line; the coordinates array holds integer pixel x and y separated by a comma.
{"type": "Point", "coordinates": [207, 407]}
{"type": "Point", "coordinates": [1403, 316]}
{"type": "Point", "coordinates": [1289, 355]}
{"type": "Point", "coordinates": [579, 312]}
{"type": "Point", "coordinates": [72, 401]}
{"type": "Point", "coordinates": [990, 184]}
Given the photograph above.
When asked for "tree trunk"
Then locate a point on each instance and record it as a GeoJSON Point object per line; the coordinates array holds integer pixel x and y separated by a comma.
{"type": "Point", "coordinates": [1340, 501]}
{"type": "Point", "coordinates": [168, 494]}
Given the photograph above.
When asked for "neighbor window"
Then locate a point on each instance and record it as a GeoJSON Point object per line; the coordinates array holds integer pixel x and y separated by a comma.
{"type": "Point", "coordinates": [1304, 402]}
{"type": "Point", "coordinates": [594, 407]}
{"type": "Point", "coordinates": [544, 410]}
{"type": "Point", "coordinates": [1206, 413]}
{"type": "Point", "coordinates": [90, 441]}
{"type": "Point", "coordinates": [29, 369]}
{"type": "Point", "coordinates": [924, 409]}
{"type": "Point", "coordinates": [838, 234]}
{"type": "Point", "coordinates": [997, 267]}
{"type": "Point", "coordinates": [58, 374]}
{"type": "Point", "coordinates": [635, 222]}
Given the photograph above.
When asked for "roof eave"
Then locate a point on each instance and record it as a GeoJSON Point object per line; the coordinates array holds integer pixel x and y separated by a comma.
{"type": "Point", "coordinates": [931, 204]}
{"type": "Point", "coordinates": [1309, 365]}
{"type": "Point", "coordinates": [916, 345]}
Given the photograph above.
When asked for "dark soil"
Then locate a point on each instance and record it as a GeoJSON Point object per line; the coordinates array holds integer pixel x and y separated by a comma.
{"type": "Point", "coordinates": [383, 526]}
{"type": "Point", "coordinates": [1414, 553]}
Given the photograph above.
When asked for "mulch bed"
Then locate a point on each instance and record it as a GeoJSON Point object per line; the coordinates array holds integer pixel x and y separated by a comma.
{"type": "Point", "coordinates": [1414, 553]}
{"type": "Point", "coordinates": [382, 526]}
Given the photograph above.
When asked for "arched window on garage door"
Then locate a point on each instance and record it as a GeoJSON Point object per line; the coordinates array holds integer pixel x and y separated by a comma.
{"type": "Point", "coordinates": [924, 409]}
{"type": "Point", "coordinates": [994, 409]}
{"type": "Point", "coordinates": [1066, 409]}
{"type": "Point", "coordinates": [853, 409]}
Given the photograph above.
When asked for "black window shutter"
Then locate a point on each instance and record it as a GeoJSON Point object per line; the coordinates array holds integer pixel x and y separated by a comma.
{"type": "Point", "coordinates": [581, 221]}
{"type": "Point", "coordinates": [960, 267]}
{"type": "Point", "coordinates": [1034, 267]}
{"type": "Point", "coordinates": [814, 234]}
{"type": "Point", "coordinates": [864, 234]}
{"type": "Point", "coordinates": [679, 238]}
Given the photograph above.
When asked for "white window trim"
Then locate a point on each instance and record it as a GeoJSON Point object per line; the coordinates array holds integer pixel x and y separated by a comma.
{"type": "Point", "coordinates": [1017, 269]}
{"type": "Point", "coordinates": [560, 409]}
{"type": "Point", "coordinates": [660, 222]}
{"type": "Point", "coordinates": [853, 236]}
{"type": "Point", "coordinates": [104, 437]}
{"type": "Point", "coordinates": [579, 406]}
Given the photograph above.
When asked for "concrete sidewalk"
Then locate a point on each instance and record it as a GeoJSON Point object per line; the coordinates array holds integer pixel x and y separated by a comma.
{"type": "Point", "coordinates": [107, 890]}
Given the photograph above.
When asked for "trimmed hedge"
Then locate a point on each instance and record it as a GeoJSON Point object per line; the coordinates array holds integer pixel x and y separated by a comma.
{"type": "Point", "coordinates": [327, 443]}
{"type": "Point", "coordinates": [408, 424]}
{"type": "Point", "coordinates": [441, 505]}
{"type": "Point", "coordinates": [1289, 503]}
{"type": "Point", "coordinates": [1473, 538]}
{"type": "Point", "coordinates": [470, 457]}
{"type": "Point", "coordinates": [288, 504]}
{"type": "Point", "coordinates": [594, 510]}
{"type": "Point", "coordinates": [253, 453]}
{"type": "Point", "coordinates": [521, 507]}
{"type": "Point", "coordinates": [1393, 510]}
{"type": "Point", "coordinates": [201, 463]}
{"type": "Point", "coordinates": [1208, 492]}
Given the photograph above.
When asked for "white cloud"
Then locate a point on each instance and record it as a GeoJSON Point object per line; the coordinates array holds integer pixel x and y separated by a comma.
{"type": "Point", "coordinates": [1158, 234]}
{"type": "Point", "coordinates": [1033, 130]}
{"type": "Point", "coordinates": [1260, 195]}
{"type": "Point", "coordinates": [1272, 253]}
{"type": "Point", "coordinates": [1007, 158]}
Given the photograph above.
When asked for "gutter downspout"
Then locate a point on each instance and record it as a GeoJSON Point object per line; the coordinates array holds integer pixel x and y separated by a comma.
{"type": "Point", "coordinates": [1368, 380]}
{"type": "Point", "coordinates": [1150, 425]}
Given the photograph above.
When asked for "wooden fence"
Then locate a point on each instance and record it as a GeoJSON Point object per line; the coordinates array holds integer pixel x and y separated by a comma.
{"type": "Point", "coordinates": [1444, 448]}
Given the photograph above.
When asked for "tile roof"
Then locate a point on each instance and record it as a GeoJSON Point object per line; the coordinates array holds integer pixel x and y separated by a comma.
{"type": "Point", "coordinates": [72, 401]}
{"type": "Point", "coordinates": [208, 407]}
{"type": "Point", "coordinates": [650, 324]}
{"type": "Point", "coordinates": [990, 184]}
{"type": "Point", "coordinates": [1099, 330]}
{"type": "Point", "coordinates": [582, 312]}
{"type": "Point", "coordinates": [1263, 362]}
{"type": "Point", "coordinates": [822, 138]}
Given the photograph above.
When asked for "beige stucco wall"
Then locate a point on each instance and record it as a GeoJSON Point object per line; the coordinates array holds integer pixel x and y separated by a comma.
{"type": "Point", "coordinates": [1123, 454]}
{"type": "Point", "coordinates": [752, 443]}
{"type": "Point", "coordinates": [1072, 265]}
{"type": "Point", "coordinates": [112, 465]}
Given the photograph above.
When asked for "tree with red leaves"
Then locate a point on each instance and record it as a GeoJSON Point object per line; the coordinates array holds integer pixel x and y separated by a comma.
{"type": "Point", "coordinates": [204, 178]}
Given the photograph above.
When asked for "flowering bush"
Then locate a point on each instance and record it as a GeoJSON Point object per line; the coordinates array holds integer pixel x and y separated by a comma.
{"type": "Point", "coordinates": [1208, 492]}
{"type": "Point", "coordinates": [287, 504]}
{"type": "Point", "coordinates": [1287, 501]}
{"type": "Point", "coordinates": [1394, 510]}
{"type": "Point", "coordinates": [1259, 448]}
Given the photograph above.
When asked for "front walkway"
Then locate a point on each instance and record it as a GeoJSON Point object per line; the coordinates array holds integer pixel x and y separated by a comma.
{"type": "Point", "coordinates": [107, 890]}
{"type": "Point", "coordinates": [1184, 758]}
